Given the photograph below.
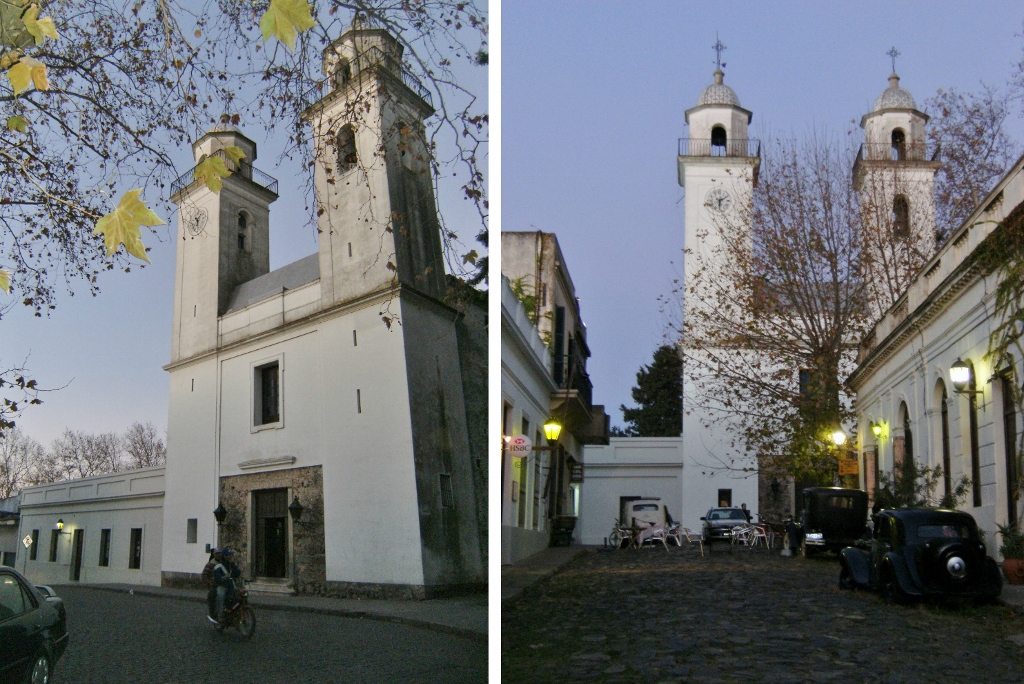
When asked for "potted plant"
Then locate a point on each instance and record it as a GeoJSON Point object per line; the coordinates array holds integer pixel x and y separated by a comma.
{"type": "Point", "coordinates": [1012, 550]}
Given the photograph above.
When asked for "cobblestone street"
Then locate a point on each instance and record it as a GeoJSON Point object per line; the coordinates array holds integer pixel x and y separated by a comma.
{"type": "Point", "coordinates": [742, 616]}
{"type": "Point", "coordinates": [120, 638]}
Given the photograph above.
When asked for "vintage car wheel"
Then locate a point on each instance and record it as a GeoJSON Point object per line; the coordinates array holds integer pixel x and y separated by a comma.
{"type": "Point", "coordinates": [892, 593]}
{"type": "Point", "coordinates": [40, 672]}
{"type": "Point", "coordinates": [846, 578]}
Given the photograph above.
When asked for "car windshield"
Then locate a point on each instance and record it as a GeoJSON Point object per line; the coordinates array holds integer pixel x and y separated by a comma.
{"type": "Point", "coordinates": [943, 532]}
{"type": "Point", "coordinates": [733, 514]}
{"type": "Point", "coordinates": [645, 507]}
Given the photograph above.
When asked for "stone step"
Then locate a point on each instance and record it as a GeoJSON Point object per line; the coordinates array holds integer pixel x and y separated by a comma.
{"type": "Point", "coordinates": [270, 585]}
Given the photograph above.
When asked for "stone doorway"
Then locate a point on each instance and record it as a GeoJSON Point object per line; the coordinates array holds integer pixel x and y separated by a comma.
{"type": "Point", "coordinates": [270, 533]}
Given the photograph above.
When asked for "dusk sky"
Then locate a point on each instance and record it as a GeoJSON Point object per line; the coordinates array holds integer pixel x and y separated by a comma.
{"type": "Point", "coordinates": [106, 353]}
{"type": "Point", "coordinates": [593, 96]}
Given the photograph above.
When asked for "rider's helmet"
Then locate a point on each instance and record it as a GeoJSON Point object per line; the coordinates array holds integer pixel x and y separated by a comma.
{"type": "Point", "coordinates": [226, 553]}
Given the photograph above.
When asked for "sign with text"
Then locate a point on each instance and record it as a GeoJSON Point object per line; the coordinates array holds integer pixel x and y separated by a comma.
{"type": "Point", "coordinates": [576, 474]}
{"type": "Point", "coordinates": [519, 446]}
{"type": "Point", "coordinates": [849, 466]}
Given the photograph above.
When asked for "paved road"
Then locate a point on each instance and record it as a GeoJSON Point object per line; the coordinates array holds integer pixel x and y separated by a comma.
{"type": "Point", "coordinates": [652, 616]}
{"type": "Point", "coordinates": [119, 638]}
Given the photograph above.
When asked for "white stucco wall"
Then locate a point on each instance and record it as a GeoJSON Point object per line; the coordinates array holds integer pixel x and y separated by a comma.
{"type": "Point", "coordinates": [118, 502]}
{"type": "Point", "coordinates": [653, 467]}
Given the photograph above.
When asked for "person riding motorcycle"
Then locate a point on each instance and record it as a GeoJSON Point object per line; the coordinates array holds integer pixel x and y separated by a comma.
{"type": "Point", "coordinates": [211, 586]}
{"type": "Point", "coordinates": [224, 574]}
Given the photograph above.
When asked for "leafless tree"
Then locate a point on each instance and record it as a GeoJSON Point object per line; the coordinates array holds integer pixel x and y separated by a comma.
{"type": "Point", "coordinates": [79, 454]}
{"type": "Point", "coordinates": [773, 309]}
{"type": "Point", "coordinates": [18, 453]}
{"type": "Point", "coordinates": [143, 448]}
{"type": "Point", "coordinates": [976, 151]}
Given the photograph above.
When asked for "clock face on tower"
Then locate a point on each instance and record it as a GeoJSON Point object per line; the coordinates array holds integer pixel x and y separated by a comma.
{"type": "Point", "coordinates": [718, 200]}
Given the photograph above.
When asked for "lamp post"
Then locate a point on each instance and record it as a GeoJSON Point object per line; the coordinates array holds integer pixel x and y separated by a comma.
{"type": "Point", "coordinates": [295, 510]}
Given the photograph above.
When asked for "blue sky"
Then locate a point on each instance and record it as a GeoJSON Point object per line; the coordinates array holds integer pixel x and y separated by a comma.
{"type": "Point", "coordinates": [106, 353]}
{"type": "Point", "coordinates": [593, 96]}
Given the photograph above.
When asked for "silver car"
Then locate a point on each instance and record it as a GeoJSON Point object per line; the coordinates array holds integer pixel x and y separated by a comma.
{"type": "Point", "coordinates": [718, 523]}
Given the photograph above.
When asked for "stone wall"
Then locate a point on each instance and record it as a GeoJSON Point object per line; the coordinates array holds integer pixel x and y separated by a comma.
{"type": "Point", "coordinates": [308, 534]}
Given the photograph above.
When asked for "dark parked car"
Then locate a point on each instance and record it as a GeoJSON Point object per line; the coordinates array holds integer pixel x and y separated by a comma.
{"type": "Point", "coordinates": [833, 518]}
{"type": "Point", "coordinates": [718, 523]}
{"type": "Point", "coordinates": [33, 630]}
{"type": "Point", "coordinates": [922, 552]}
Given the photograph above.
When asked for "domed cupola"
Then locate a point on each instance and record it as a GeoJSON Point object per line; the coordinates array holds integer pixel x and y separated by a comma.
{"type": "Point", "coordinates": [894, 97]}
{"type": "Point", "coordinates": [718, 93]}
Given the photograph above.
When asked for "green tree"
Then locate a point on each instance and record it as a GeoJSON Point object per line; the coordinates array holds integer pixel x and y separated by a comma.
{"type": "Point", "coordinates": [659, 395]}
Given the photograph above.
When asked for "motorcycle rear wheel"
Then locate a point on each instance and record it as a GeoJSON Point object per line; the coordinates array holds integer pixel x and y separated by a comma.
{"type": "Point", "coordinates": [246, 622]}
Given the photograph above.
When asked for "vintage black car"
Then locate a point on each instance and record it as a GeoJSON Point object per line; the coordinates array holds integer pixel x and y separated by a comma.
{"type": "Point", "coordinates": [33, 630]}
{"type": "Point", "coordinates": [922, 553]}
{"type": "Point", "coordinates": [833, 518]}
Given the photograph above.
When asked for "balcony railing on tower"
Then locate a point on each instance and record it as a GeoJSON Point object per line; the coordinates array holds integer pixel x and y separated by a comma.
{"type": "Point", "coordinates": [244, 170]}
{"type": "Point", "coordinates": [708, 147]}
{"type": "Point", "coordinates": [904, 151]}
{"type": "Point", "coordinates": [373, 58]}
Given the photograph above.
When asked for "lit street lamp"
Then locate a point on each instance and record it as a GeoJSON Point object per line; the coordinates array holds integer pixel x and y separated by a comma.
{"type": "Point", "coordinates": [839, 437]}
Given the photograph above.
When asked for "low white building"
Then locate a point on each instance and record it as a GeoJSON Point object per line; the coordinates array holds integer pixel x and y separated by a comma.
{"type": "Point", "coordinates": [110, 531]}
{"type": "Point", "coordinates": [655, 467]}
{"type": "Point", "coordinates": [903, 381]}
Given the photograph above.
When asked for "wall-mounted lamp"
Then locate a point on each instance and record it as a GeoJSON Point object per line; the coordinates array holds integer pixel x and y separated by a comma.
{"type": "Point", "coordinates": [960, 373]}
{"type": "Point", "coordinates": [220, 513]}
{"type": "Point", "coordinates": [60, 527]}
{"type": "Point", "coordinates": [879, 429]}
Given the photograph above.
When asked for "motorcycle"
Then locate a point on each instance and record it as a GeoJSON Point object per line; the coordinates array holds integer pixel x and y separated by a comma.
{"type": "Point", "coordinates": [240, 614]}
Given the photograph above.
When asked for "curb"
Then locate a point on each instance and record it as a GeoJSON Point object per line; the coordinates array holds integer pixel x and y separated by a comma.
{"type": "Point", "coordinates": [336, 612]}
{"type": "Point", "coordinates": [548, 573]}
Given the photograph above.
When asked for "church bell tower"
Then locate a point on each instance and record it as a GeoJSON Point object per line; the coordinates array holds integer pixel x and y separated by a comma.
{"type": "Point", "coordinates": [377, 222]}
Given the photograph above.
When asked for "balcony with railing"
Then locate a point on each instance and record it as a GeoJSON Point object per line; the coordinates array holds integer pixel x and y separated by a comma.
{"type": "Point", "coordinates": [372, 59]}
{"type": "Point", "coordinates": [713, 147]}
{"type": "Point", "coordinates": [243, 170]}
{"type": "Point", "coordinates": [907, 151]}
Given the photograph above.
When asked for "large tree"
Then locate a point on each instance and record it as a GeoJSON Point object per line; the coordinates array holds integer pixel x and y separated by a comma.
{"type": "Point", "coordinates": [773, 309]}
{"type": "Point", "coordinates": [659, 397]}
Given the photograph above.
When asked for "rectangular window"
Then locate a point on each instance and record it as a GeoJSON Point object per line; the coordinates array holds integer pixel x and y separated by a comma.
{"type": "Point", "coordinates": [35, 545]}
{"type": "Point", "coordinates": [359, 401]}
{"type": "Point", "coordinates": [724, 498]}
{"type": "Point", "coordinates": [104, 548]}
{"type": "Point", "coordinates": [355, 340]}
{"type": "Point", "coordinates": [267, 386]}
{"type": "Point", "coordinates": [191, 530]}
{"type": "Point", "coordinates": [447, 495]}
{"type": "Point", "coordinates": [54, 538]}
{"type": "Point", "coordinates": [135, 549]}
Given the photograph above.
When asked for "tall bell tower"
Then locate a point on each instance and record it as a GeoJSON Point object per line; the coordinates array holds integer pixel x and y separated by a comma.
{"type": "Point", "coordinates": [378, 220]}
{"type": "Point", "coordinates": [894, 175]}
{"type": "Point", "coordinates": [223, 240]}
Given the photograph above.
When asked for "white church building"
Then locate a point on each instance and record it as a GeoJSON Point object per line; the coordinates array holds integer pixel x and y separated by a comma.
{"type": "Point", "coordinates": [344, 387]}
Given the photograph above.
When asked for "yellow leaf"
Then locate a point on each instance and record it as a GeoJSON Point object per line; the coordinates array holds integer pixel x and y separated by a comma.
{"type": "Point", "coordinates": [17, 123]}
{"type": "Point", "coordinates": [5, 281]}
{"type": "Point", "coordinates": [284, 18]}
{"type": "Point", "coordinates": [9, 59]}
{"type": "Point", "coordinates": [210, 171]}
{"type": "Point", "coordinates": [235, 154]}
{"type": "Point", "coordinates": [27, 71]}
{"type": "Point", "coordinates": [41, 29]}
{"type": "Point", "coordinates": [470, 257]}
{"type": "Point", "coordinates": [121, 226]}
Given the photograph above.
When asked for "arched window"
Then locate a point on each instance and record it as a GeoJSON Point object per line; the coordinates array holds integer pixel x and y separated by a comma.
{"type": "Point", "coordinates": [947, 476]}
{"type": "Point", "coordinates": [346, 142]}
{"type": "Point", "coordinates": [907, 457]}
{"type": "Point", "coordinates": [901, 217]}
{"type": "Point", "coordinates": [243, 232]}
{"type": "Point", "coordinates": [972, 418]}
{"type": "Point", "coordinates": [718, 141]}
{"type": "Point", "coordinates": [343, 74]}
{"type": "Point", "coordinates": [899, 145]}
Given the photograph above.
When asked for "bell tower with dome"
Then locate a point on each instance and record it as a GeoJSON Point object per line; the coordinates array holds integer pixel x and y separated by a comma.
{"type": "Point", "coordinates": [894, 175]}
{"type": "Point", "coordinates": [717, 165]}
